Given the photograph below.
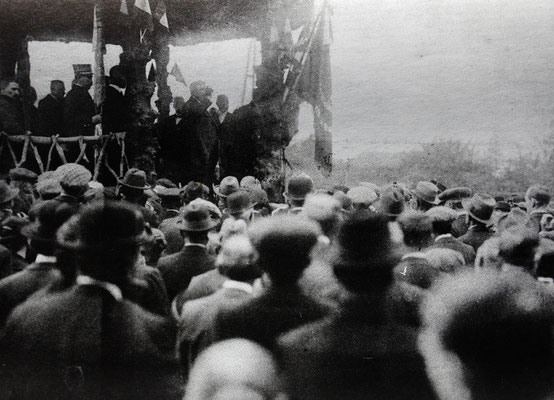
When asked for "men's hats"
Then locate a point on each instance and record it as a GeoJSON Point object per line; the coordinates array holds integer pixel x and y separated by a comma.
{"type": "Point", "coordinates": [250, 182]}
{"type": "Point", "coordinates": [46, 218]}
{"type": "Point", "coordinates": [362, 195]}
{"type": "Point", "coordinates": [391, 202]}
{"type": "Point", "coordinates": [372, 186]}
{"type": "Point", "coordinates": [442, 214]}
{"type": "Point", "coordinates": [457, 193]}
{"type": "Point", "coordinates": [195, 217]}
{"type": "Point", "coordinates": [481, 207]}
{"type": "Point", "coordinates": [7, 192]}
{"type": "Point", "coordinates": [502, 206]}
{"type": "Point", "coordinates": [427, 192]}
{"type": "Point", "coordinates": [299, 186]}
{"type": "Point", "coordinates": [166, 183]}
{"type": "Point", "coordinates": [103, 226]}
{"type": "Point", "coordinates": [345, 201]}
{"type": "Point", "coordinates": [258, 196]}
{"type": "Point", "coordinates": [82, 69]}
{"type": "Point", "coordinates": [193, 190]}
{"type": "Point", "coordinates": [439, 185]}
{"type": "Point", "coordinates": [540, 193]}
{"type": "Point", "coordinates": [73, 175]}
{"type": "Point", "coordinates": [363, 255]}
{"type": "Point", "coordinates": [322, 207]}
{"type": "Point", "coordinates": [22, 174]}
{"type": "Point", "coordinates": [239, 202]}
{"type": "Point", "coordinates": [228, 186]}
{"type": "Point", "coordinates": [48, 188]}
{"type": "Point", "coordinates": [135, 179]}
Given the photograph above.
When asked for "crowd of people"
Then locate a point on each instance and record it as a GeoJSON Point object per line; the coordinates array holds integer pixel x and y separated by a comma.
{"type": "Point", "coordinates": [155, 291]}
{"type": "Point", "coordinates": [192, 141]}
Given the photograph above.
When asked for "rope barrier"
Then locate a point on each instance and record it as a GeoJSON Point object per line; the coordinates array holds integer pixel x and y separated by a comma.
{"type": "Point", "coordinates": [59, 144]}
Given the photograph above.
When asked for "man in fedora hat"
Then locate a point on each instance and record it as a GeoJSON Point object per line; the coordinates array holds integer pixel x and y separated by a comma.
{"type": "Point", "coordinates": [228, 186]}
{"type": "Point", "coordinates": [425, 195]}
{"type": "Point", "coordinates": [298, 187]}
{"type": "Point", "coordinates": [453, 198]}
{"type": "Point", "coordinates": [284, 245]}
{"type": "Point", "coordinates": [46, 218]}
{"type": "Point", "coordinates": [179, 268]}
{"type": "Point", "coordinates": [117, 349]}
{"type": "Point", "coordinates": [74, 180]}
{"type": "Point", "coordinates": [479, 211]}
{"type": "Point", "coordinates": [361, 351]}
{"type": "Point", "coordinates": [241, 206]}
{"type": "Point", "coordinates": [79, 110]}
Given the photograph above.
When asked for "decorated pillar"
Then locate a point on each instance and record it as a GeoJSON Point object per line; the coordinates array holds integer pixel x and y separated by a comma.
{"type": "Point", "coordinates": [160, 54]}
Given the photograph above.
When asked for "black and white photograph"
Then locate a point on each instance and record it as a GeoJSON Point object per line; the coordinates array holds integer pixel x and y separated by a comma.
{"type": "Point", "coordinates": [276, 199]}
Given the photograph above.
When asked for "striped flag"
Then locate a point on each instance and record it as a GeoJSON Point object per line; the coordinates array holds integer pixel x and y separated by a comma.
{"type": "Point", "coordinates": [160, 14]}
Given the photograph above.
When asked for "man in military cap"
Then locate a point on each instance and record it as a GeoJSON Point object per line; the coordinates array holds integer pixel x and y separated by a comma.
{"type": "Point", "coordinates": [80, 114]}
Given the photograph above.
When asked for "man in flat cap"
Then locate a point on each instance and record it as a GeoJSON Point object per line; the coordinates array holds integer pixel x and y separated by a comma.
{"type": "Point", "coordinates": [80, 114]}
{"type": "Point", "coordinates": [537, 199]}
{"type": "Point", "coordinates": [74, 179]}
{"type": "Point", "coordinates": [24, 180]}
{"type": "Point", "coordinates": [117, 349]}
{"type": "Point", "coordinates": [284, 245]}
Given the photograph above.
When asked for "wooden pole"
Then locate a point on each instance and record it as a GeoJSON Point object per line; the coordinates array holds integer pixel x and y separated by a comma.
{"type": "Point", "coordinates": [99, 48]}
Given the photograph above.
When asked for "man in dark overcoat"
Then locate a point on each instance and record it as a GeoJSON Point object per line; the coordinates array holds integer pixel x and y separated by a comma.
{"type": "Point", "coordinates": [79, 110]}
{"type": "Point", "coordinates": [90, 342]}
{"type": "Point", "coordinates": [50, 110]}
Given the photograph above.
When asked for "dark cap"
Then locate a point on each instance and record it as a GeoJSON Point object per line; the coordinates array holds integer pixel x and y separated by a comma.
{"type": "Point", "coordinates": [22, 174]}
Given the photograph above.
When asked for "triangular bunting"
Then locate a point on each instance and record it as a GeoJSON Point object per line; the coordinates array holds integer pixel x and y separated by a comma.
{"type": "Point", "coordinates": [123, 9]}
{"type": "Point", "coordinates": [152, 75]}
{"type": "Point", "coordinates": [177, 74]}
{"type": "Point", "coordinates": [160, 14]}
{"type": "Point", "coordinates": [143, 5]}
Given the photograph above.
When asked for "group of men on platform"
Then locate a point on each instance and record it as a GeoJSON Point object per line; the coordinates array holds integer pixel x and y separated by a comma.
{"type": "Point", "coordinates": [192, 141]}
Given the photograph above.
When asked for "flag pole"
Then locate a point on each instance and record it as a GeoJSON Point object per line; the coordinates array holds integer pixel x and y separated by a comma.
{"type": "Point", "coordinates": [304, 57]}
{"type": "Point", "coordinates": [99, 48]}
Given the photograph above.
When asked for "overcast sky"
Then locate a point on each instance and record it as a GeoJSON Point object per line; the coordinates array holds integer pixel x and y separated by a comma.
{"type": "Point", "coordinates": [404, 72]}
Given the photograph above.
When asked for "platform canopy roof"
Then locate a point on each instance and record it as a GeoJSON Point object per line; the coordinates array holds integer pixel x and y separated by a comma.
{"type": "Point", "coordinates": [190, 21]}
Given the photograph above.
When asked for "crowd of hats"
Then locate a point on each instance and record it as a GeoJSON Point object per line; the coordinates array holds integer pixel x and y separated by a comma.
{"type": "Point", "coordinates": [358, 235]}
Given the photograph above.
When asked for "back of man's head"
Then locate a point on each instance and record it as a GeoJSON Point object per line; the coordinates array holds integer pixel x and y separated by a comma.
{"type": "Point", "coordinates": [417, 228]}
{"type": "Point", "coordinates": [284, 245]}
{"type": "Point", "coordinates": [538, 195]}
{"type": "Point", "coordinates": [237, 260]}
{"type": "Point", "coordinates": [518, 246]}
{"type": "Point", "coordinates": [489, 335]}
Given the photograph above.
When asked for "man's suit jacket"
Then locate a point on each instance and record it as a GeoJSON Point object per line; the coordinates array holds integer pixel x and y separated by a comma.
{"type": "Point", "coordinates": [51, 114]}
{"type": "Point", "coordinates": [197, 320]}
{"type": "Point", "coordinates": [202, 285]}
{"type": "Point", "coordinates": [449, 242]}
{"type": "Point", "coordinates": [203, 136]}
{"type": "Point", "coordinates": [115, 112]}
{"type": "Point", "coordinates": [83, 343]}
{"type": "Point", "coordinates": [178, 269]}
{"type": "Point", "coordinates": [229, 148]}
{"type": "Point", "coordinates": [475, 236]}
{"type": "Point", "coordinates": [16, 288]}
{"type": "Point", "coordinates": [79, 109]}
{"type": "Point", "coordinates": [11, 116]}
{"type": "Point", "coordinates": [265, 317]}
{"type": "Point", "coordinates": [356, 353]}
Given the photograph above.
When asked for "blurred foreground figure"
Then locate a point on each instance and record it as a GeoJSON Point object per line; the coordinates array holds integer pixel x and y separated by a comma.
{"type": "Point", "coordinates": [359, 352]}
{"type": "Point", "coordinates": [489, 335]}
{"type": "Point", "coordinates": [89, 342]}
{"type": "Point", "coordinates": [235, 369]}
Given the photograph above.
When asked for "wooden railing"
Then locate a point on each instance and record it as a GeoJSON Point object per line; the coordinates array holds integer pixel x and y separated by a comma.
{"type": "Point", "coordinates": [62, 146]}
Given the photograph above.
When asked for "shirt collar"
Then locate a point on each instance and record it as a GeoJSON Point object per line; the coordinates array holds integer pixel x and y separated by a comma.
{"type": "Point", "coordinates": [42, 259]}
{"type": "Point", "coordinates": [242, 286]}
{"type": "Point", "coordinates": [120, 90]}
{"type": "Point", "coordinates": [443, 236]}
{"type": "Point", "coordinates": [195, 245]}
{"type": "Point", "coordinates": [113, 290]}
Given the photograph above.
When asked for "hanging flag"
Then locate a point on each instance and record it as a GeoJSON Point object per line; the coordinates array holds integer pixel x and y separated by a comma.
{"type": "Point", "coordinates": [153, 74]}
{"type": "Point", "coordinates": [160, 14]}
{"type": "Point", "coordinates": [144, 15]}
{"type": "Point", "coordinates": [176, 72]}
{"type": "Point", "coordinates": [123, 9]}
